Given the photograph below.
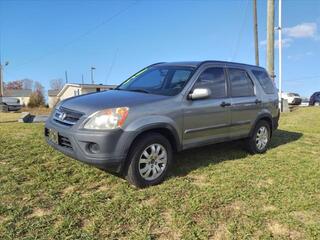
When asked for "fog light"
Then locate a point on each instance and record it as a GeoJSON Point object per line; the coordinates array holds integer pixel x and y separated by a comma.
{"type": "Point", "coordinates": [93, 148]}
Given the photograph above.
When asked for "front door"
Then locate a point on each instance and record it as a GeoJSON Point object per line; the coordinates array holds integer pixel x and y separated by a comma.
{"type": "Point", "coordinates": [208, 120]}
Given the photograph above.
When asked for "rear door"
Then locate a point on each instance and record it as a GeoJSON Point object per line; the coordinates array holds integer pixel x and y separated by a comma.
{"type": "Point", "coordinates": [245, 104]}
{"type": "Point", "coordinates": [208, 120]}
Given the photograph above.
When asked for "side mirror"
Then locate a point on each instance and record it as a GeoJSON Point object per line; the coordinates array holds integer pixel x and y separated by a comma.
{"type": "Point", "coordinates": [199, 93]}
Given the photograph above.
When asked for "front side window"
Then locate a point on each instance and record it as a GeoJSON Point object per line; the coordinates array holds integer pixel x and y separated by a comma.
{"type": "Point", "coordinates": [241, 84]}
{"type": "Point", "coordinates": [264, 80]}
{"type": "Point", "coordinates": [213, 79]}
{"type": "Point", "coordinates": [167, 81]}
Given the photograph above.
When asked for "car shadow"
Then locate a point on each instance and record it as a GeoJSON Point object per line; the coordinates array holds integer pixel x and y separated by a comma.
{"type": "Point", "coordinates": [189, 160]}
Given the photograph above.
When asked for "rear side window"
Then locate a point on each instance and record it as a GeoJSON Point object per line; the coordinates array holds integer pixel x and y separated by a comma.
{"type": "Point", "coordinates": [241, 84]}
{"type": "Point", "coordinates": [213, 79]}
{"type": "Point", "coordinates": [264, 80]}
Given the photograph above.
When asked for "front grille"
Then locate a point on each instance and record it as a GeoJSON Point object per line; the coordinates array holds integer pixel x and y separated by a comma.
{"type": "Point", "coordinates": [66, 116]}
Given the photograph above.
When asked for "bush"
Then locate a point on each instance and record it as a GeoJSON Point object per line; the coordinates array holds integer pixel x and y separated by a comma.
{"type": "Point", "coordinates": [36, 99]}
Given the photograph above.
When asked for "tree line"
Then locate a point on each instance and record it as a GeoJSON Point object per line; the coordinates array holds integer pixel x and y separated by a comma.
{"type": "Point", "coordinates": [37, 96]}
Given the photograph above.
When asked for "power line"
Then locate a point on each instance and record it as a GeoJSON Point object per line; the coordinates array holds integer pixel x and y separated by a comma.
{"type": "Point", "coordinates": [80, 36]}
{"type": "Point", "coordinates": [244, 20]}
{"type": "Point", "coordinates": [302, 78]}
{"type": "Point", "coordinates": [112, 64]}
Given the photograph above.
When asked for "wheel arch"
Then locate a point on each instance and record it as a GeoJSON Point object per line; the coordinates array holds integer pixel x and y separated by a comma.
{"type": "Point", "coordinates": [164, 129]}
{"type": "Point", "coordinates": [266, 117]}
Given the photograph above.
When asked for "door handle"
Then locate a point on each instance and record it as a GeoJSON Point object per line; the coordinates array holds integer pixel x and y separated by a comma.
{"type": "Point", "coordinates": [257, 101]}
{"type": "Point", "coordinates": [225, 104]}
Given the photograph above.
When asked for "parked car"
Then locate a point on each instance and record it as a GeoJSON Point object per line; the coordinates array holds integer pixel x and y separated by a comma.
{"type": "Point", "coordinates": [134, 129]}
{"type": "Point", "coordinates": [315, 99]}
{"type": "Point", "coordinates": [292, 98]}
{"type": "Point", "coordinates": [304, 102]}
{"type": "Point", "coordinates": [10, 104]}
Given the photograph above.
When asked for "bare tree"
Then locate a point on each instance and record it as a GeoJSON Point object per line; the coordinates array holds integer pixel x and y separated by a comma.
{"type": "Point", "coordinates": [56, 84]}
{"type": "Point", "coordinates": [27, 83]}
{"type": "Point", "coordinates": [37, 97]}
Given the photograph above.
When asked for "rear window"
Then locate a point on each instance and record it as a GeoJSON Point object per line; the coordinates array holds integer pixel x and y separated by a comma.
{"type": "Point", "coordinates": [241, 84]}
{"type": "Point", "coordinates": [264, 80]}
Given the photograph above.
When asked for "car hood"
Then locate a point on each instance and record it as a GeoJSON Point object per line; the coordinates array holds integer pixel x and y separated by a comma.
{"type": "Point", "coordinates": [90, 103]}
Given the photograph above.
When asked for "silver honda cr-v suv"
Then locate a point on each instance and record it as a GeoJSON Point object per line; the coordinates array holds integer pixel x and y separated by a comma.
{"type": "Point", "coordinates": [134, 129]}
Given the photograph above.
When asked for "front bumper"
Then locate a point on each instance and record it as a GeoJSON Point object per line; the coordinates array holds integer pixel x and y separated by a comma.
{"type": "Point", "coordinates": [14, 107]}
{"type": "Point", "coordinates": [113, 145]}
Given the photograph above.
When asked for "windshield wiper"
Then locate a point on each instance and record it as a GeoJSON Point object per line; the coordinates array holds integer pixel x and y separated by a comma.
{"type": "Point", "coordinates": [138, 90]}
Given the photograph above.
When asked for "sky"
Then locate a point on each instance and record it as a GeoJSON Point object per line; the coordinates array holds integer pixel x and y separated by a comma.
{"type": "Point", "coordinates": [42, 39]}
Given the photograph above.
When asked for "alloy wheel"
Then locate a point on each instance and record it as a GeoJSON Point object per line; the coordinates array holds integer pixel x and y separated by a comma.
{"type": "Point", "coordinates": [153, 161]}
{"type": "Point", "coordinates": [262, 137]}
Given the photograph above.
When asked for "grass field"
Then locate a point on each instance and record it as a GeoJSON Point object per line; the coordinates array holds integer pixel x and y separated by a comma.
{"type": "Point", "coordinates": [9, 117]}
{"type": "Point", "coordinates": [215, 192]}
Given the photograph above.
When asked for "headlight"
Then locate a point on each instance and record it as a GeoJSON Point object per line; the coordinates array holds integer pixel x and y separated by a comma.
{"type": "Point", "coordinates": [108, 119]}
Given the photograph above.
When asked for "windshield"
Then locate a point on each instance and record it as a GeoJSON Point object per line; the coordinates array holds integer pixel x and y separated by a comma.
{"type": "Point", "coordinates": [167, 81]}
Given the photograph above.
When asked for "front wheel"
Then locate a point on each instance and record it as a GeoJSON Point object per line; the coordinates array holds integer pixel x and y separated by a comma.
{"type": "Point", "coordinates": [258, 142]}
{"type": "Point", "coordinates": [149, 160]}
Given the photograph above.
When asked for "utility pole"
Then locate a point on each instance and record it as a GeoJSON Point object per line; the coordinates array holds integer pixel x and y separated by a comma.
{"type": "Point", "coordinates": [1, 82]}
{"type": "Point", "coordinates": [270, 38]}
{"type": "Point", "coordinates": [66, 75]}
{"type": "Point", "coordinates": [82, 79]}
{"type": "Point", "coordinates": [92, 69]}
{"type": "Point", "coordinates": [280, 54]}
{"type": "Point", "coordinates": [255, 30]}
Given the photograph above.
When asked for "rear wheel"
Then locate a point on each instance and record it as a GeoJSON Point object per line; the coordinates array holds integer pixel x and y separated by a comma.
{"type": "Point", "coordinates": [258, 142]}
{"type": "Point", "coordinates": [149, 160]}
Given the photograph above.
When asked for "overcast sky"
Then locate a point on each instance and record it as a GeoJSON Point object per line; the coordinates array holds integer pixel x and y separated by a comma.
{"type": "Point", "coordinates": [42, 39]}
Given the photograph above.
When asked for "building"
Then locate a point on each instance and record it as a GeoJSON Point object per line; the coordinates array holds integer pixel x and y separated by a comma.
{"type": "Point", "coordinates": [52, 97]}
{"type": "Point", "coordinates": [22, 94]}
{"type": "Point", "coordinates": [74, 89]}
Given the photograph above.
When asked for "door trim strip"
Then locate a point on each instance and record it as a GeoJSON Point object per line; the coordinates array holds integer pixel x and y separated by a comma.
{"type": "Point", "coordinates": [216, 126]}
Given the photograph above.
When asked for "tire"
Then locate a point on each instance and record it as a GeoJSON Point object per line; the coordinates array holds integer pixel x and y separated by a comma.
{"type": "Point", "coordinates": [255, 145]}
{"type": "Point", "coordinates": [149, 160]}
{"type": "Point", "coordinates": [317, 104]}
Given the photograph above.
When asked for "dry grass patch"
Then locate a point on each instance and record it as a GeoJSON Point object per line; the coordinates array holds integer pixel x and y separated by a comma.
{"type": "Point", "coordinates": [278, 229]}
{"type": "Point", "coordinates": [269, 208]}
{"type": "Point", "coordinates": [265, 183]}
{"type": "Point", "coordinates": [281, 230]}
{"type": "Point", "coordinates": [68, 190]}
{"type": "Point", "coordinates": [3, 219]}
{"type": "Point", "coordinates": [221, 232]}
{"type": "Point", "coordinates": [168, 231]}
{"type": "Point", "coordinates": [199, 180]}
{"type": "Point", "coordinates": [103, 188]}
{"type": "Point", "coordinates": [39, 212]}
{"type": "Point", "coordinates": [307, 217]}
{"type": "Point", "coordinates": [149, 202]}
